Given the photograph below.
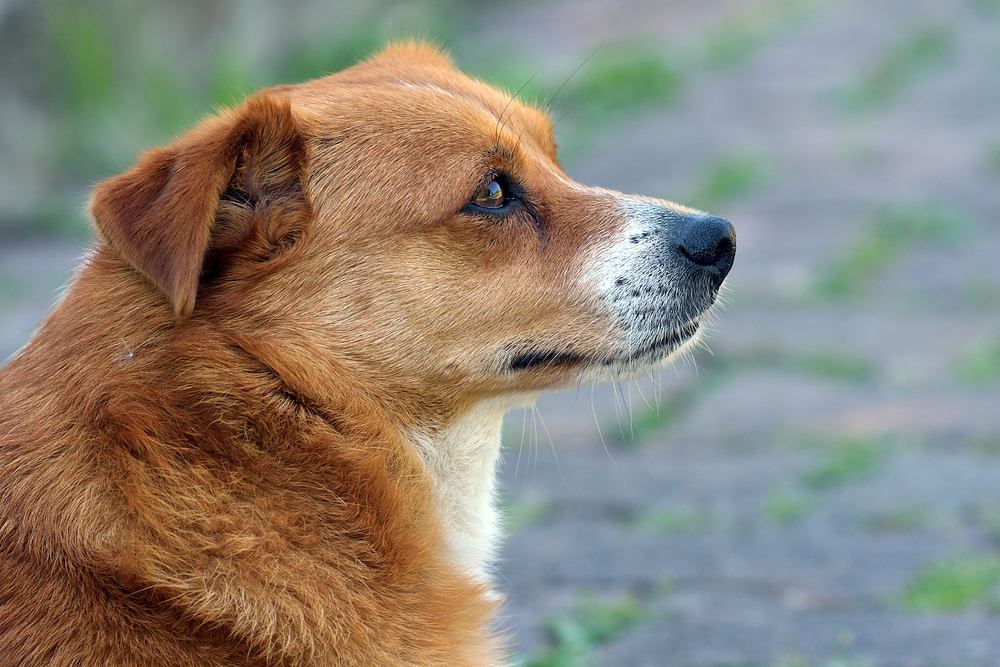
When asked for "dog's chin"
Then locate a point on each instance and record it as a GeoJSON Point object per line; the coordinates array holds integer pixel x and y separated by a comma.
{"type": "Point", "coordinates": [646, 356]}
{"type": "Point", "coordinates": [629, 360]}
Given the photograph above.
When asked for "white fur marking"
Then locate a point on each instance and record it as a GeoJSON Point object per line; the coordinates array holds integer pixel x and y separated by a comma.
{"type": "Point", "coordinates": [463, 459]}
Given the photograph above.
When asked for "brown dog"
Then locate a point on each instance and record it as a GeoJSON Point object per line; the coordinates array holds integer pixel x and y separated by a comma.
{"type": "Point", "coordinates": [261, 428]}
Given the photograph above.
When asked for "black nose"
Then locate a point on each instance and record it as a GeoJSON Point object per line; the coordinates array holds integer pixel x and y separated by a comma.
{"type": "Point", "coordinates": [709, 242]}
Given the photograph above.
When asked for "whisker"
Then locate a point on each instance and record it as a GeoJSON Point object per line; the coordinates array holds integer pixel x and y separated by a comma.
{"type": "Point", "coordinates": [600, 431]}
{"type": "Point", "coordinates": [572, 74]}
{"type": "Point", "coordinates": [552, 444]}
{"type": "Point", "coordinates": [520, 447]}
{"type": "Point", "coordinates": [502, 123]}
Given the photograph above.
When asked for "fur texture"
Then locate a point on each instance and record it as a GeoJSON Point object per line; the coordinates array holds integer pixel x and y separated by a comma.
{"type": "Point", "coordinates": [262, 425]}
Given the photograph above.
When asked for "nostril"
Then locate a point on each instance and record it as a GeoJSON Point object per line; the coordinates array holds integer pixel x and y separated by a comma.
{"type": "Point", "coordinates": [708, 241]}
{"type": "Point", "coordinates": [723, 249]}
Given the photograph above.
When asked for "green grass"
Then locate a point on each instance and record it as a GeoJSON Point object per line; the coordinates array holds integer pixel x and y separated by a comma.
{"type": "Point", "coordinates": [623, 78]}
{"type": "Point", "coordinates": [923, 48]}
{"type": "Point", "coordinates": [851, 460]}
{"type": "Point", "coordinates": [785, 506]}
{"type": "Point", "coordinates": [836, 365]}
{"type": "Point", "coordinates": [954, 585]}
{"type": "Point", "coordinates": [890, 232]}
{"type": "Point", "coordinates": [639, 423]}
{"type": "Point", "coordinates": [737, 39]}
{"type": "Point", "coordinates": [675, 520]}
{"type": "Point", "coordinates": [592, 623]}
{"type": "Point", "coordinates": [112, 86]}
{"type": "Point", "coordinates": [734, 42]}
{"type": "Point", "coordinates": [524, 512]}
{"type": "Point", "coordinates": [727, 179]}
{"type": "Point", "coordinates": [980, 366]}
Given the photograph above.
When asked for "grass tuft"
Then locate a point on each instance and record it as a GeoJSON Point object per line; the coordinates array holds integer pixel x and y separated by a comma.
{"type": "Point", "coordinates": [786, 506]}
{"type": "Point", "coordinates": [954, 585]}
{"type": "Point", "coordinates": [675, 520]}
{"type": "Point", "coordinates": [520, 512]}
{"type": "Point", "coordinates": [835, 365]}
{"type": "Point", "coordinates": [980, 366]}
{"type": "Point", "coordinates": [924, 47]}
{"type": "Point", "coordinates": [892, 229]}
{"type": "Point", "coordinates": [592, 623]}
{"type": "Point", "coordinates": [851, 460]}
{"type": "Point", "coordinates": [728, 179]}
{"type": "Point", "coordinates": [620, 79]}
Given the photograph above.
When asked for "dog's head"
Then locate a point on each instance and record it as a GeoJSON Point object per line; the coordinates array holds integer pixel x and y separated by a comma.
{"type": "Point", "coordinates": [404, 223]}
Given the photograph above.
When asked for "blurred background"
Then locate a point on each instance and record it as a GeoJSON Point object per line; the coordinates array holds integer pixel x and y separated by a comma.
{"type": "Point", "coordinates": [818, 487]}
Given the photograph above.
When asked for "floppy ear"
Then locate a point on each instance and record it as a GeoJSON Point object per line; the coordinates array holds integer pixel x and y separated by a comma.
{"type": "Point", "coordinates": [159, 216]}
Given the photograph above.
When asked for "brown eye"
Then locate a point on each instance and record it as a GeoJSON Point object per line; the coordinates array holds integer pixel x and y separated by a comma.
{"type": "Point", "coordinates": [492, 195]}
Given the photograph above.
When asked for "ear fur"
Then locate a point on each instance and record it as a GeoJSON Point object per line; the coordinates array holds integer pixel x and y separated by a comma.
{"type": "Point", "coordinates": [159, 215]}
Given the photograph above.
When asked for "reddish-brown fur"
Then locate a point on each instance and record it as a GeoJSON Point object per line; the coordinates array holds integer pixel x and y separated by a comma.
{"type": "Point", "coordinates": [203, 451]}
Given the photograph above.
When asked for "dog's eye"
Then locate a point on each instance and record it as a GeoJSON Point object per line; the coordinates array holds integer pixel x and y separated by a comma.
{"type": "Point", "coordinates": [491, 195]}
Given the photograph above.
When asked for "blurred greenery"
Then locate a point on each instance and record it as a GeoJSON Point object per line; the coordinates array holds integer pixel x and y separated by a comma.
{"type": "Point", "coordinates": [836, 365]}
{"type": "Point", "coordinates": [591, 623]}
{"type": "Point", "coordinates": [736, 39]}
{"type": "Point", "coordinates": [729, 178]}
{"type": "Point", "coordinates": [981, 365]}
{"type": "Point", "coordinates": [891, 230]}
{"type": "Point", "coordinates": [785, 505]}
{"type": "Point", "coordinates": [954, 585]}
{"type": "Point", "coordinates": [849, 460]}
{"type": "Point", "coordinates": [675, 520]}
{"type": "Point", "coordinates": [621, 78]}
{"type": "Point", "coordinates": [924, 47]}
{"type": "Point", "coordinates": [115, 78]}
{"type": "Point", "coordinates": [114, 82]}
{"type": "Point", "coordinates": [523, 511]}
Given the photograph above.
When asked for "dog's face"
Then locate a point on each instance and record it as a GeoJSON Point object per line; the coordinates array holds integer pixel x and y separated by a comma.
{"type": "Point", "coordinates": [412, 224]}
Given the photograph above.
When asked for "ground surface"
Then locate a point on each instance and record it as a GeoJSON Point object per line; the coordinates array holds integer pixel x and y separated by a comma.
{"type": "Point", "coordinates": [824, 488]}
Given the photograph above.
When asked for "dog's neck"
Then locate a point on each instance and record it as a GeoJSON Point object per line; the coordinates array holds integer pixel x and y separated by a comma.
{"type": "Point", "coordinates": [463, 457]}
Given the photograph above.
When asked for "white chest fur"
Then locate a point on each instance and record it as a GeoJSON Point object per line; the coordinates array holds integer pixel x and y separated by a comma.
{"type": "Point", "coordinates": [463, 458]}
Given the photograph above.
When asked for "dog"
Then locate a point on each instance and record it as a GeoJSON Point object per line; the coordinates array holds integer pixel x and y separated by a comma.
{"type": "Point", "coordinates": [261, 426]}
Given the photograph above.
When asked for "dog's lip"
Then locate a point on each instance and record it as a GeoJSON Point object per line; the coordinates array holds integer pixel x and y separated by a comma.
{"type": "Point", "coordinates": [551, 359]}
{"type": "Point", "coordinates": [666, 343]}
{"type": "Point", "coordinates": [547, 358]}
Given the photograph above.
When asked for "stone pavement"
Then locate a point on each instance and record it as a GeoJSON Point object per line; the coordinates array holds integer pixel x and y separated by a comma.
{"type": "Point", "coordinates": [823, 487]}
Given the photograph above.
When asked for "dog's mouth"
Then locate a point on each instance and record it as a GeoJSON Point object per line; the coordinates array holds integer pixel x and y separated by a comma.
{"type": "Point", "coordinates": [660, 347]}
{"type": "Point", "coordinates": [651, 352]}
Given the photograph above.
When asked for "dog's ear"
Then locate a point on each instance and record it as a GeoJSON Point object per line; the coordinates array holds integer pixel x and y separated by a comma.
{"type": "Point", "coordinates": [160, 215]}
